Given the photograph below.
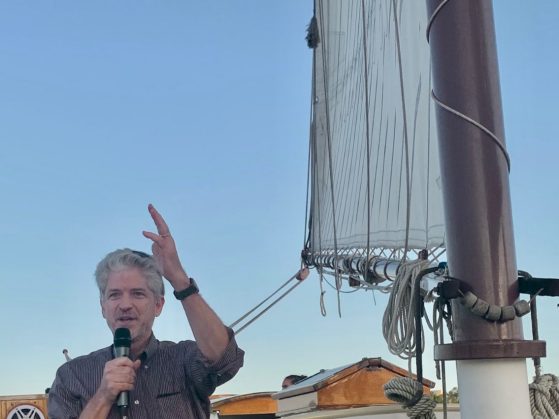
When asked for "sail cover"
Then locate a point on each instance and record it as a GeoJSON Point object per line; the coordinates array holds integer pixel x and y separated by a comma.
{"type": "Point", "coordinates": [374, 166]}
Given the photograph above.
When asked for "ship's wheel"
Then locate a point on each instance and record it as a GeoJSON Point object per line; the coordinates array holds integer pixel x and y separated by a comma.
{"type": "Point", "coordinates": [25, 411]}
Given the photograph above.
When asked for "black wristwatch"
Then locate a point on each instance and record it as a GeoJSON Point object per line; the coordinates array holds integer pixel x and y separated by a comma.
{"type": "Point", "coordinates": [192, 289]}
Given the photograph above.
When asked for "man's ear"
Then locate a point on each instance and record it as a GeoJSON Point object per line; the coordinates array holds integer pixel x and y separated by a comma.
{"type": "Point", "coordinates": [159, 306]}
{"type": "Point", "coordinates": [102, 308]}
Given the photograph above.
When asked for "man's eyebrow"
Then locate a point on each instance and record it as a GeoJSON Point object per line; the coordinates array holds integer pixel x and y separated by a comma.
{"type": "Point", "coordinates": [132, 290]}
{"type": "Point", "coordinates": [112, 289]}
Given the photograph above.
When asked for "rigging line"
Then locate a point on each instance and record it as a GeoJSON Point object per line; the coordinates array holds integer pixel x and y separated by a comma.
{"type": "Point", "coordinates": [493, 137]}
{"type": "Point", "coordinates": [268, 307]}
{"type": "Point", "coordinates": [255, 308]}
{"type": "Point", "coordinates": [408, 189]}
{"type": "Point", "coordinates": [340, 129]}
{"type": "Point", "coordinates": [389, 118]}
{"type": "Point", "coordinates": [433, 16]}
{"type": "Point", "coordinates": [348, 131]}
{"type": "Point", "coordinates": [379, 141]}
{"type": "Point", "coordinates": [311, 130]}
{"type": "Point", "coordinates": [316, 208]}
{"type": "Point", "coordinates": [416, 145]}
{"type": "Point", "coordinates": [329, 148]}
{"type": "Point", "coordinates": [315, 234]}
{"type": "Point", "coordinates": [454, 111]}
{"type": "Point", "coordinates": [322, 292]}
{"type": "Point", "coordinates": [428, 183]}
{"type": "Point", "coordinates": [342, 291]}
{"type": "Point", "coordinates": [338, 42]}
{"type": "Point", "coordinates": [367, 134]}
{"type": "Point", "coordinates": [392, 173]}
{"type": "Point", "coordinates": [343, 130]}
{"type": "Point", "coordinates": [378, 112]}
{"type": "Point", "coordinates": [371, 194]}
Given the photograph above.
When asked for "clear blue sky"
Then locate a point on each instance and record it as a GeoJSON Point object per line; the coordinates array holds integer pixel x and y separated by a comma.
{"type": "Point", "coordinates": [202, 108]}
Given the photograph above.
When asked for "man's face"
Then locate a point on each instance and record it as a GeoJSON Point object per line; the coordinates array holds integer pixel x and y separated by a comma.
{"type": "Point", "coordinates": [128, 302]}
{"type": "Point", "coordinates": [286, 383]}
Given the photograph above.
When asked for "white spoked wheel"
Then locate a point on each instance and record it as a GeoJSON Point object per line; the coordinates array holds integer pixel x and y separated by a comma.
{"type": "Point", "coordinates": [25, 411]}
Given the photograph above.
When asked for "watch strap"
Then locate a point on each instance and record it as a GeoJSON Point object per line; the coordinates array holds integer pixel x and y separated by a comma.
{"type": "Point", "coordinates": [188, 291]}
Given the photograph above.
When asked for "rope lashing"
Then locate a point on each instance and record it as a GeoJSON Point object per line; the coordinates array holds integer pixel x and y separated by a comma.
{"type": "Point", "coordinates": [544, 397]}
{"type": "Point", "coordinates": [409, 393]}
{"type": "Point", "coordinates": [493, 312]}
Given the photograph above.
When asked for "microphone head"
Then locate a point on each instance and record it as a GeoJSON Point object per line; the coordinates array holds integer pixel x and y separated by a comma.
{"type": "Point", "coordinates": [122, 337]}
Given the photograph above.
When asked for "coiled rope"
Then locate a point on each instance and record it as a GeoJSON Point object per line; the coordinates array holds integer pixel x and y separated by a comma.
{"type": "Point", "coordinates": [409, 393]}
{"type": "Point", "coordinates": [398, 322]}
{"type": "Point", "coordinates": [544, 397]}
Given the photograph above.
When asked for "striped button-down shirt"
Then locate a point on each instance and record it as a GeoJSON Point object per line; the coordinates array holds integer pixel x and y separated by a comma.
{"type": "Point", "coordinates": [174, 381]}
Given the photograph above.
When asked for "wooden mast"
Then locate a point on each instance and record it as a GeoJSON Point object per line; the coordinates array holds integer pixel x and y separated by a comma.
{"type": "Point", "coordinates": [479, 234]}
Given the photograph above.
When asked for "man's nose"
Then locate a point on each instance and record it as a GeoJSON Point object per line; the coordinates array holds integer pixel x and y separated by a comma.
{"type": "Point", "coordinates": [125, 302]}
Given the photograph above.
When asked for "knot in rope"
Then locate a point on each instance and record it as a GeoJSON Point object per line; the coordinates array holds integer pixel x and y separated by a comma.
{"type": "Point", "coordinates": [409, 393]}
{"type": "Point", "coordinates": [544, 397]}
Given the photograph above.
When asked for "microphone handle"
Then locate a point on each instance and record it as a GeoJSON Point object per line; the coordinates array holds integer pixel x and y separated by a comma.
{"type": "Point", "coordinates": [122, 399]}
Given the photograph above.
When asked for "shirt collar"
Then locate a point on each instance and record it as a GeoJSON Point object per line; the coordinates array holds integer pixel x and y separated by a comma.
{"type": "Point", "coordinates": [151, 348]}
{"type": "Point", "coordinates": [153, 344]}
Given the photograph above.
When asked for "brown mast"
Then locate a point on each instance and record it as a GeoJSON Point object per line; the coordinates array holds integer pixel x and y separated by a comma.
{"type": "Point", "coordinates": [474, 171]}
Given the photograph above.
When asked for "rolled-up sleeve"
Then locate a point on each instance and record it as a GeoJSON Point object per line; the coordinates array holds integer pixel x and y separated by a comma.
{"type": "Point", "coordinates": [206, 376]}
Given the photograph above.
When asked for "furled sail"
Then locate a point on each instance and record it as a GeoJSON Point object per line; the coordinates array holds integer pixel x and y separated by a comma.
{"type": "Point", "coordinates": [374, 169]}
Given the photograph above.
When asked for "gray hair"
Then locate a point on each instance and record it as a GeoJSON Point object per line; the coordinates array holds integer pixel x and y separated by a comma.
{"type": "Point", "coordinates": [123, 259]}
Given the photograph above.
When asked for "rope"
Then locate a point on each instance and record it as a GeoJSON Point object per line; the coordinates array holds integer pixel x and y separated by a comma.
{"type": "Point", "coordinates": [544, 397]}
{"type": "Point", "coordinates": [398, 322]}
{"type": "Point", "coordinates": [333, 286]}
{"type": "Point", "coordinates": [439, 316]}
{"type": "Point", "coordinates": [433, 16]}
{"type": "Point", "coordinates": [307, 236]}
{"type": "Point", "coordinates": [404, 120]}
{"type": "Point", "coordinates": [322, 292]}
{"type": "Point", "coordinates": [409, 393]}
{"type": "Point", "coordinates": [466, 118]}
{"type": "Point", "coordinates": [330, 163]}
{"type": "Point", "coordinates": [300, 276]}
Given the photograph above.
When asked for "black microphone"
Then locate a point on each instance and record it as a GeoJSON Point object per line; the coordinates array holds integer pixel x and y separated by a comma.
{"type": "Point", "coordinates": [122, 348]}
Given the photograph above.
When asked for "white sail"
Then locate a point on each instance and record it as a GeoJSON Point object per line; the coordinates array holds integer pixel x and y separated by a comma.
{"type": "Point", "coordinates": [374, 155]}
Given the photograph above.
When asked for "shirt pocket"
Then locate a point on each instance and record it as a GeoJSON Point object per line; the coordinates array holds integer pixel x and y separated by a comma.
{"type": "Point", "coordinates": [172, 397]}
{"type": "Point", "coordinates": [170, 385]}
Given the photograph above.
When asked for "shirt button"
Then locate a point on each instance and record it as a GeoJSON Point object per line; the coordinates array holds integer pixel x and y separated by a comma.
{"type": "Point", "coordinates": [136, 402]}
{"type": "Point", "coordinates": [146, 367]}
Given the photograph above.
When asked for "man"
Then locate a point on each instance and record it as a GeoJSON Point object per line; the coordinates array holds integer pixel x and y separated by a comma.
{"type": "Point", "coordinates": [164, 379]}
{"type": "Point", "coordinates": [292, 379]}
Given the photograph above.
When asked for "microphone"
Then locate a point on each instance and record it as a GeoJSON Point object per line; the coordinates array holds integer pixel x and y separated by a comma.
{"type": "Point", "coordinates": [122, 348]}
